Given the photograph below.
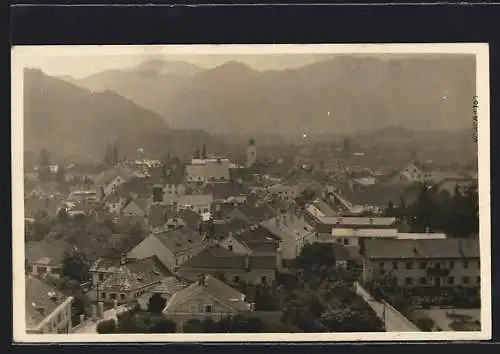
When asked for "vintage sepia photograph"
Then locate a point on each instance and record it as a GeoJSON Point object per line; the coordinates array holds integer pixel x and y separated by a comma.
{"type": "Point", "coordinates": [271, 192]}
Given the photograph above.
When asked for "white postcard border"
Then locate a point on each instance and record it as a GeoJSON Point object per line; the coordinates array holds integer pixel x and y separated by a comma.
{"type": "Point", "coordinates": [480, 50]}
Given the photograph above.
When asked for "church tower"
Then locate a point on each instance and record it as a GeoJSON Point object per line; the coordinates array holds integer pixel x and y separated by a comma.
{"type": "Point", "coordinates": [251, 152]}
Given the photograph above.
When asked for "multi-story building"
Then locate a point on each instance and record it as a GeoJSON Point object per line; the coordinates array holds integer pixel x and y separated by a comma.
{"type": "Point", "coordinates": [47, 310]}
{"type": "Point", "coordinates": [439, 263]}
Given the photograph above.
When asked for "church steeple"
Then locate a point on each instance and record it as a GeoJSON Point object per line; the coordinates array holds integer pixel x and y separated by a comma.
{"type": "Point", "coordinates": [251, 152]}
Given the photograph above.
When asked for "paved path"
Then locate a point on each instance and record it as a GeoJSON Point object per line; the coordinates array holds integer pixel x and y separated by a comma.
{"type": "Point", "coordinates": [90, 326]}
{"type": "Point", "coordinates": [394, 321]}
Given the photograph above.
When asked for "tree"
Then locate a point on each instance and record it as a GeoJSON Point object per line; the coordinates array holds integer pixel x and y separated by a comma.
{"type": "Point", "coordinates": [197, 154]}
{"type": "Point", "coordinates": [60, 174]}
{"type": "Point", "coordinates": [424, 210]}
{"type": "Point", "coordinates": [203, 151]}
{"type": "Point", "coordinates": [349, 319]}
{"type": "Point", "coordinates": [44, 158]}
{"type": "Point", "coordinates": [390, 211]}
{"type": "Point", "coordinates": [164, 325]}
{"type": "Point", "coordinates": [106, 326]}
{"type": "Point", "coordinates": [63, 217]}
{"type": "Point", "coordinates": [115, 154]}
{"type": "Point", "coordinates": [156, 303]}
{"type": "Point", "coordinates": [75, 266]}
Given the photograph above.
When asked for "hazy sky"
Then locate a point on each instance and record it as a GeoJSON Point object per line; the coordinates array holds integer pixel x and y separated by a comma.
{"type": "Point", "coordinates": [81, 66]}
{"type": "Point", "coordinates": [81, 61]}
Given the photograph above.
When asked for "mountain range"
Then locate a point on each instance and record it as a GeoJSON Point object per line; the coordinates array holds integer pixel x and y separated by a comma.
{"type": "Point", "coordinates": [341, 95]}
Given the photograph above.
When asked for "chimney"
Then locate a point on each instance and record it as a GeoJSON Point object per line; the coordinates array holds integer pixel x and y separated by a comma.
{"type": "Point", "coordinates": [247, 262]}
{"type": "Point", "coordinates": [202, 280]}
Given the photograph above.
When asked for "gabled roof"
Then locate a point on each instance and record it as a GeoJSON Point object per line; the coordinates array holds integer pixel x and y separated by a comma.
{"type": "Point", "coordinates": [222, 228]}
{"type": "Point", "coordinates": [286, 226]}
{"type": "Point", "coordinates": [217, 257]}
{"type": "Point", "coordinates": [41, 300]}
{"type": "Point", "coordinates": [49, 253]}
{"type": "Point", "coordinates": [142, 203]}
{"type": "Point", "coordinates": [195, 199]}
{"type": "Point", "coordinates": [105, 177]}
{"type": "Point", "coordinates": [178, 240]}
{"type": "Point", "coordinates": [224, 190]}
{"type": "Point", "coordinates": [421, 248]}
{"type": "Point", "coordinates": [212, 287]}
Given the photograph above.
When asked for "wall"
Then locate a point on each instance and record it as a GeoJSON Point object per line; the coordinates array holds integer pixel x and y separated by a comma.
{"type": "Point", "coordinates": [254, 276]}
{"type": "Point", "coordinates": [417, 274]}
{"type": "Point", "coordinates": [35, 269]}
{"type": "Point", "coordinates": [195, 308]}
{"type": "Point", "coordinates": [59, 321]}
{"type": "Point", "coordinates": [151, 246]}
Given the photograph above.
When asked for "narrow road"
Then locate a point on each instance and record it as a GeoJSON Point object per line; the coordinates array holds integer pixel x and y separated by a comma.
{"type": "Point", "coordinates": [90, 326]}
{"type": "Point", "coordinates": [394, 321]}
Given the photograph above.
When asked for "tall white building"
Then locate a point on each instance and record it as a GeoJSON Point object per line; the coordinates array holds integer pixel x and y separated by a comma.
{"type": "Point", "coordinates": [251, 153]}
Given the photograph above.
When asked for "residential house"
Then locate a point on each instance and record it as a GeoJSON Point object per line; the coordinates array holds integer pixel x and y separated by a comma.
{"type": "Point", "coordinates": [225, 192]}
{"type": "Point", "coordinates": [200, 203]}
{"type": "Point", "coordinates": [438, 263]}
{"type": "Point", "coordinates": [349, 230]}
{"type": "Point", "coordinates": [45, 258]}
{"type": "Point", "coordinates": [128, 282]}
{"type": "Point", "coordinates": [135, 211]}
{"type": "Point", "coordinates": [282, 191]}
{"type": "Point", "coordinates": [254, 240]}
{"type": "Point", "coordinates": [171, 247]}
{"type": "Point", "coordinates": [293, 232]}
{"type": "Point", "coordinates": [109, 181]}
{"type": "Point", "coordinates": [182, 218]}
{"type": "Point", "coordinates": [208, 297]}
{"type": "Point", "coordinates": [83, 194]}
{"type": "Point", "coordinates": [114, 203]}
{"type": "Point", "coordinates": [220, 262]}
{"type": "Point", "coordinates": [166, 289]}
{"type": "Point", "coordinates": [82, 172]}
{"type": "Point", "coordinates": [47, 310]}
{"type": "Point", "coordinates": [217, 230]}
{"type": "Point", "coordinates": [251, 214]}
{"type": "Point", "coordinates": [317, 209]}
{"type": "Point", "coordinates": [202, 171]}
{"type": "Point", "coordinates": [48, 190]}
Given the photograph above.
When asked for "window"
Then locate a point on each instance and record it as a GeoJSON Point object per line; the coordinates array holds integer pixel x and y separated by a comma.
{"type": "Point", "coordinates": [193, 308]}
{"type": "Point", "coordinates": [409, 265]}
{"type": "Point", "coordinates": [103, 296]}
{"type": "Point", "coordinates": [409, 281]}
{"type": "Point", "coordinates": [423, 280]}
{"type": "Point", "coordinates": [466, 265]}
{"type": "Point", "coordinates": [42, 269]}
{"type": "Point", "coordinates": [230, 247]}
{"type": "Point", "coordinates": [263, 279]}
{"type": "Point", "coordinates": [30, 269]}
{"type": "Point", "coordinates": [394, 265]}
{"type": "Point", "coordinates": [112, 296]}
{"type": "Point", "coordinates": [452, 264]}
{"type": "Point", "coordinates": [381, 265]}
{"type": "Point", "coordinates": [208, 308]}
{"type": "Point", "coordinates": [122, 296]}
{"type": "Point", "coordinates": [59, 317]}
{"type": "Point", "coordinates": [465, 280]}
{"type": "Point", "coordinates": [451, 280]}
{"type": "Point", "coordinates": [236, 279]}
{"type": "Point", "coordinates": [346, 241]}
{"type": "Point", "coordinates": [422, 265]}
{"type": "Point", "coordinates": [437, 265]}
{"type": "Point", "coordinates": [101, 276]}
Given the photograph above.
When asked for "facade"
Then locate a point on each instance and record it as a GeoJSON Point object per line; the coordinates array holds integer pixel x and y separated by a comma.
{"type": "Point", "coordinates": [293, 232]}
{"type": "Point", "coordinates": [44, 258]}
{"type": "Point", "coordinates": [200, 203]}
{"type": "Point", "coordinates": [438, 263]}
{"type": "Point", "coordinates": [202, 171]}
{"type": "Point", "coordinates": [47, 310]}
{"type": "Point", "coordinates": [171, 247]}
{"type": "Point", "coordinates": [207, 297]}
{"type": "Point", "coordinates": [236, 267]}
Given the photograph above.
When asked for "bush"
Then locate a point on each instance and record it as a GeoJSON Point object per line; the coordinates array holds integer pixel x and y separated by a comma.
{"type": "Point", "coordinates": [106, 327]}
{"type": "Point", "coordinates": [425, 324]}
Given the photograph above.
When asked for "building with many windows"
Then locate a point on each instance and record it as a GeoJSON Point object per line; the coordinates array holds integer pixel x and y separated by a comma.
{"type": "Point", "coordinates": [439, 263]}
